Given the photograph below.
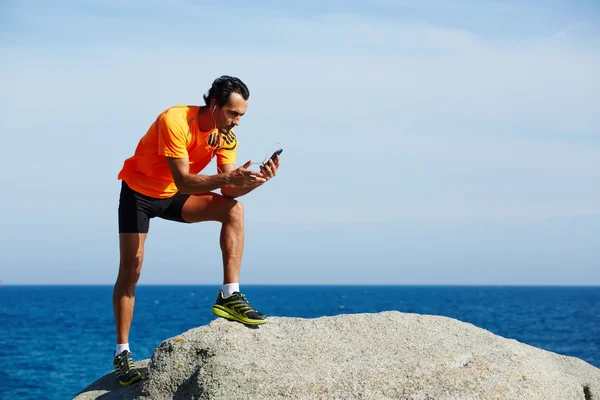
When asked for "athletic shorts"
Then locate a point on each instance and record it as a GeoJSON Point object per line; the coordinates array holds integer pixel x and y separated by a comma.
{"type": "Point", "coordinates": [136, 209]}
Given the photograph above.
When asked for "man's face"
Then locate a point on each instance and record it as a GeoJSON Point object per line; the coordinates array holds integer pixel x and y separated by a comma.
{"type": "Point", "coordinates": [228, 116]}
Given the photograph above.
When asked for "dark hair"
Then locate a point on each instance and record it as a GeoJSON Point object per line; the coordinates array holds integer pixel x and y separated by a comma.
{"type": "Point", "coordinates": [222, 88]}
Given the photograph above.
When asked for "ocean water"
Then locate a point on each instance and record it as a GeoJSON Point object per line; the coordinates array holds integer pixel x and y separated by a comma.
{"type": "Point", "coordinates": [56, 340]}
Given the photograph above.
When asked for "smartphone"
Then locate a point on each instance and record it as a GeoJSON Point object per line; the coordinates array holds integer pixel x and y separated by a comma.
{"type": "Point", "coordinates": [276, 153]}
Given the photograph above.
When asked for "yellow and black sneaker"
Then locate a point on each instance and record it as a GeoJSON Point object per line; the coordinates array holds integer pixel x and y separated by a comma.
{"type": "Point", "coordinates": [237, 308]}
{"type": "Point", "coordinates": [125, 370]}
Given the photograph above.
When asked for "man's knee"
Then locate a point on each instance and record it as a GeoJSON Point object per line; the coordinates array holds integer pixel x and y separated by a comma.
{"type": "Point", "coordinates": [236, 212]}
{"type": "Point", "coordinates": [131, 267]}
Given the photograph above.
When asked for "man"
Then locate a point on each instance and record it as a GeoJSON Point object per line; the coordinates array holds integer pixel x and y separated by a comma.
{"type": "Point", "coordinates": [161, 180]}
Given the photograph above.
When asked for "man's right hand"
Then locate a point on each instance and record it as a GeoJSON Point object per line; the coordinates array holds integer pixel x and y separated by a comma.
{"type": "Point", "coordinates": [243, 177]}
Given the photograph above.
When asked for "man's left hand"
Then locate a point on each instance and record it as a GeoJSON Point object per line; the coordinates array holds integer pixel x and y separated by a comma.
{"type": "Point", "coordinates": [269, 169]}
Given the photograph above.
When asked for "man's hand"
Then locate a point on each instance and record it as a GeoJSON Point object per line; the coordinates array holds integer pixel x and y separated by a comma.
{"type": "Point", "coordinates": [245, 178]}
{"type": "Point", "coordinates": [269, 169]}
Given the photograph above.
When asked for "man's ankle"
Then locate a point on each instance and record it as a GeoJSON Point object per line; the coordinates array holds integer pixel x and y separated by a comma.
{"type": "Point", "coordinates": [121, 347]}
{"type": "Point", "coordinates": [229, 288]}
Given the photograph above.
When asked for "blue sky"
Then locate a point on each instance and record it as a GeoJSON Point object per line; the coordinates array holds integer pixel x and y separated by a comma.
{"type": "Point", "coordinates": [424, 142]}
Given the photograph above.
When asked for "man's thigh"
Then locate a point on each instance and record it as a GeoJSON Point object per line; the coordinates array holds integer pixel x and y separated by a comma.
{"type": "Point", "coordinates": [208, 207]}
{"type": "Point", "coordinates": [134, 211]}
{"type": "Point", "coordinates": [171, 209]}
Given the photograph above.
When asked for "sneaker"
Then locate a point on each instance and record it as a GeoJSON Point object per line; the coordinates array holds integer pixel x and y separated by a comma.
{"type": "Point", "coordinates": [237, 308]}
{"type": "Point", "coordinates": [125, 370]}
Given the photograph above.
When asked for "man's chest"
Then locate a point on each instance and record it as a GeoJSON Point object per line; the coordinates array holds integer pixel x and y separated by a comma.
{"type": "Point", "coordinates": [197, 146]}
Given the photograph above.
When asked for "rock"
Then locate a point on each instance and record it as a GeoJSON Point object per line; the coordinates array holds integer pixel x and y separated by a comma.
{"type": "Point", "coordinates": [107, 387]}
{"type": "Point", "coordinates": [389, 355]}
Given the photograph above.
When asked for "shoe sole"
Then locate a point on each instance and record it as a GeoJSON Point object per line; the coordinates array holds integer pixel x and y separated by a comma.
{"type": "Point", "coordinates": [225, 314]}
{"type": "Point", "coordinates": [131, 382]}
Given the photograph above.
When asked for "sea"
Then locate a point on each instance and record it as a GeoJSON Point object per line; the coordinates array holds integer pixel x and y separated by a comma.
{"type": "Point", "coordinates": [56, 340]}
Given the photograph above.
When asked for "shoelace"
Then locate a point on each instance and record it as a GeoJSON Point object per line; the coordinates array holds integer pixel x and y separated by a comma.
{"type": "Point", "coordinates": [123, 367]}
{"type": "Point", "coordinates": [250, 308]}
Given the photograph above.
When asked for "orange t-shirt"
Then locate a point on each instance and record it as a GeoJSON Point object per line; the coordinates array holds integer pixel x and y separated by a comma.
{"type": "Point", "coordinates": [175, 133]}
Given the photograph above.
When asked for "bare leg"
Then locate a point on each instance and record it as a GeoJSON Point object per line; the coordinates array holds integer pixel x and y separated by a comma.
{"type": "Point", "coordinates": [130, 267]}
{"type": "Point", "coordinates": [230, 212]}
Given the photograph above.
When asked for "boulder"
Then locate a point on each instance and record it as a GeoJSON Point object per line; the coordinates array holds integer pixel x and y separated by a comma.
{"type": "Point", "coordinates": [387, 355]}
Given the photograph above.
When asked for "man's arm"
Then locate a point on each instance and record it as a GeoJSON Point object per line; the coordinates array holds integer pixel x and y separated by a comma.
{"type": "Point", "coordinates": [194, 184]}
{"type": "Point", "coordinates": [232, 191]}
{"type": "Point", "coordinates": [191, 184]}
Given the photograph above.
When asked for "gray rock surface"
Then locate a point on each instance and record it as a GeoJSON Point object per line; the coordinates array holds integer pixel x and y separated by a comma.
{"type": "Point", "coordinates": [389, 355]}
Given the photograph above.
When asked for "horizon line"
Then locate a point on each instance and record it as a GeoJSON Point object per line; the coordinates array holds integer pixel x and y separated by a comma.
{"type": "Point", "coordinates": [2, 285]}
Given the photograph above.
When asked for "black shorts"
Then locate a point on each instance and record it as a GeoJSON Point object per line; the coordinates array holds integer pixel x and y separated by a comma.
{"type": "Point", "coordinates": [136, 209]}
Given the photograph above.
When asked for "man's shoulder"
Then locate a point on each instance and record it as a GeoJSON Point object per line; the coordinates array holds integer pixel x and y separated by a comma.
{"type": "Point", "coordinates": [180, 110]}
{"type": "Point", "coordinates": [180, 114]}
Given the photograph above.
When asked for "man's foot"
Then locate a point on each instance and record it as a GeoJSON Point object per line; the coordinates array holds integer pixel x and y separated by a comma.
{"type": "Point", "coordinates": [125, 370]}
{"type": "Point", "coordinates": [237, 308]}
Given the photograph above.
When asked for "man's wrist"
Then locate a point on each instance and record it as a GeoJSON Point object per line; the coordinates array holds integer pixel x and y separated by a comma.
{"type": "Point", "coordinates": [225, 179]}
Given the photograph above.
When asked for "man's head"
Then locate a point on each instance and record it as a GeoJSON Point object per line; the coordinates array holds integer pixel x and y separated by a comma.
{"type": "Point", "coordinates": [227, 101]}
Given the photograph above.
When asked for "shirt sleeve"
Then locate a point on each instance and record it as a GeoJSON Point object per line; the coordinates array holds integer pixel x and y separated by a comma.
{"type": "Point", "coordinates": [228, 153]}
{"type": "Point", "coordinates": [172, 137]}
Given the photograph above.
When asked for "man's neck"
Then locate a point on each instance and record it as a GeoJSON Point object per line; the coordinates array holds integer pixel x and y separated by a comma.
{"type": "Point", "coordinates": [205, 121]}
